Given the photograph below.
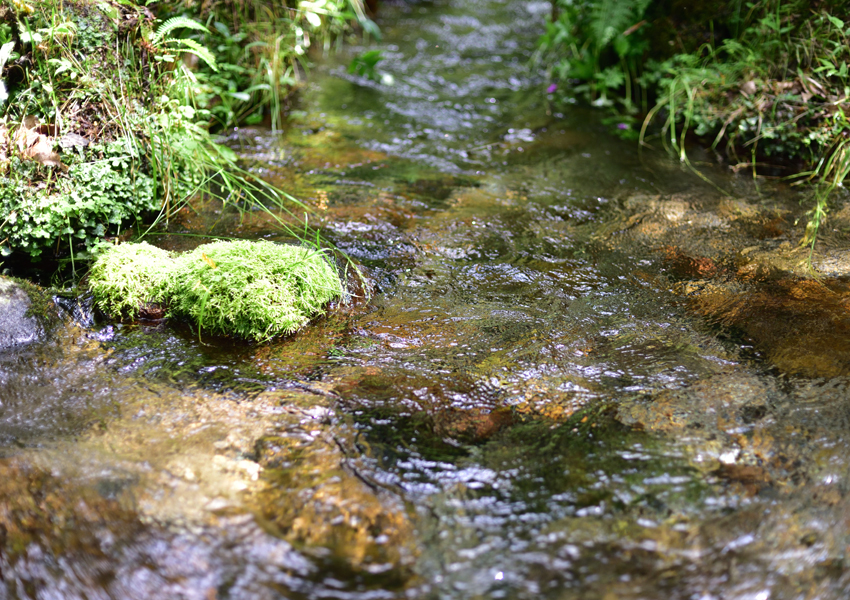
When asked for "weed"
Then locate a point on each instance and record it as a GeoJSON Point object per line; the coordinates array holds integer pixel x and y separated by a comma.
{"type": "Point", "coordinates": [105, 110]}
{"type": "Point", "coordinates": [771, 81]}
{"type": "Point", "coordinates": [365, 65]}
{"type": "Point", "coordinates": [599, 44]}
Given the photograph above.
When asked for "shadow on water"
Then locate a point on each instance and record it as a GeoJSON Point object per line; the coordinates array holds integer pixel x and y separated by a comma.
{"type": "Point", "coordinates": [581, 375]}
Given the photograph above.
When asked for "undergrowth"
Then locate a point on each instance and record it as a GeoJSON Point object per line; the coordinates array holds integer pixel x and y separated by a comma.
{"type": "Point", "coordinates": [108, 110]}
{"type": "Point", "coordinates": [765, 84]}
{"type": "Point", "coordinates": [255, 290]}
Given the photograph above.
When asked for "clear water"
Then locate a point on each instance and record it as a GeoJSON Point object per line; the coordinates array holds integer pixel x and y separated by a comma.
{"type": "Point", "coordinates": [564, 383]}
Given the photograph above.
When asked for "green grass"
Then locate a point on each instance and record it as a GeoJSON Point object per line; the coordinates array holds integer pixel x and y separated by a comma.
{"type": "Point", "coordinates": [254, 290]}
{"type": "Point", "coordinates": [765, 82]}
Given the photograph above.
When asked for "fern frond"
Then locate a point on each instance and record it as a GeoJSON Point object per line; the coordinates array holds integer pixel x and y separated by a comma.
{"type": "Point", "coordinates": [610, 18]}
{"type": "Point", "coordinates": [175, 23]}
{"type": "Point", "coordinates": [192, 47]}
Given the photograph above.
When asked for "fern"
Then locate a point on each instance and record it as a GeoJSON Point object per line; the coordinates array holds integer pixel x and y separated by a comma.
{"type": "Point", "coordinates": [179, 45]}
{"type": "Point", "coordinates": [610, 18]}
{"type": "Point", "coordinates": [170, 25]}
{"type": "Point", "coordinates": [193, 47]}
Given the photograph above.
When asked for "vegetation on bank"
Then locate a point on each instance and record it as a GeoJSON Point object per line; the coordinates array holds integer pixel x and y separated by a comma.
{"type": "Point", "coordinates": [107, 107]}
{"type": "Point", "coordinates": [765, 83]}
{"type": "Point", "coordinates": [254, 290]}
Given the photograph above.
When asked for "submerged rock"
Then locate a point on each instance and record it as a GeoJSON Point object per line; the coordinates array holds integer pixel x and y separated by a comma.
{"type": "Point", "coordinates": [18, 323]}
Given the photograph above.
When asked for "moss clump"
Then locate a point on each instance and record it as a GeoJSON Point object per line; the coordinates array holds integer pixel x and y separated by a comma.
{"type": "Point", "coordinates": [125, 278]}
{"type": "Point", "coordinates": [255, 290]}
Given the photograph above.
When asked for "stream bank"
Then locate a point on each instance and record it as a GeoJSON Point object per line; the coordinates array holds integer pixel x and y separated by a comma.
{"type": "Point", "coordinates": [579, 374]}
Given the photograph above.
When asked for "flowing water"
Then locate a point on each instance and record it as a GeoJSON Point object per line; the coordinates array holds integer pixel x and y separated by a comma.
{"type": "Point", "coordinates": [573, 376]}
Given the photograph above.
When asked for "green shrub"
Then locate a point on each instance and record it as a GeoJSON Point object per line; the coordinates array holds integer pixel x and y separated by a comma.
{"type": "Point", "coordinates": [114, 103]}
{"type": "Point", "coordinates": [127, 277]}
{"type": "Point", "coordinates": [762, 80]}
{"type": "Point", "coordinates": [254, 290]}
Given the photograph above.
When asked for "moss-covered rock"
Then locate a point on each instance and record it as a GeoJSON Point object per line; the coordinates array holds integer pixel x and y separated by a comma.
{"type": "Point", "coordinates": [250, 289]}
{"type": "Point", "coordinates": [127, 278]}
{"type": "Point", "coordinates": [24, 313]}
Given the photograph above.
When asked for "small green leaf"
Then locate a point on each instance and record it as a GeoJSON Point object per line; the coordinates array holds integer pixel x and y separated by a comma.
{"type": "Point", "coordinates": [836, 21]}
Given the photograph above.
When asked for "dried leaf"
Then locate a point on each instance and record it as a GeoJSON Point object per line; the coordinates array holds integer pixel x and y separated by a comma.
{"type": "Point", "coordinates": [25, 138]}
{"type": "Point", "coordinates": [34, 145]}
{"type": "Point", "coordinates": [748, 88]}
{"type": "Point", "coordinates": [42, 152]}
{"type": "Point", "coordinates": [73, 140]}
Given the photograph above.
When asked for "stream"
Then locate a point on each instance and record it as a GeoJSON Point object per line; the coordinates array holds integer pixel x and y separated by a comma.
{"type": "Point", "coordinates": [572, 370]}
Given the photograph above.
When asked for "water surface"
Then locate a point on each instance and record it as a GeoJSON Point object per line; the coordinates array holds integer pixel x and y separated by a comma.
{"type": "Point", "coordinates": [568, 379]}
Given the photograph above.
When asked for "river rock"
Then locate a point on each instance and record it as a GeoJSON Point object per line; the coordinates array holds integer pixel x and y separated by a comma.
{"type": "Point", "coordinates": [17, 325]}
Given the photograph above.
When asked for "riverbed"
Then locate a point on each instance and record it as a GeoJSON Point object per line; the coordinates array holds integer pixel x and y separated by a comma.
{"type": "Point", "coordinates": [570, 369]}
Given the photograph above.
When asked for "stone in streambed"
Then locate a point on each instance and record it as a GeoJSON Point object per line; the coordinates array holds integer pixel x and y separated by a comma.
{"type": "Point", "coordinates": [254, 290]}
{"type": "Point", "coordinates": [18, 324]}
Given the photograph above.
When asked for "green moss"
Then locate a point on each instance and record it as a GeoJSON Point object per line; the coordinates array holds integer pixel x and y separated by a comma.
{"type": "Point", "coordinates": [254, 290]}
{"type": "Point", "coordinates": [127, 277]}
{"type": "Point", "coordinates": [41, 303]}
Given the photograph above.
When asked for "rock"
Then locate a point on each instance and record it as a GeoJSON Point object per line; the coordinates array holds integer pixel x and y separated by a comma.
{"type": "Point", "coordinates": [17, 324]}
{"type": "Point", "coordinates": [473, 425]}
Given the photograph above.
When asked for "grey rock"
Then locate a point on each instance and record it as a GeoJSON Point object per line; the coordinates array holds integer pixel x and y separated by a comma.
{"type": "Point", "coordinates": [16, 326]}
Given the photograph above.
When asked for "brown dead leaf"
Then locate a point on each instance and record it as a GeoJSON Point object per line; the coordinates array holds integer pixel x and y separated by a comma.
{"type": "Point", "coordinates": [42, 152]}
{"type": "Point", "coordinates": [787, 87]}
{"type": "Point", "coordinates": [25, 137]}
{"type": "Point", "coordinates": [34, 145]}
{"type": "Point", "coordinates": [748, 88]}
{"type": "Point", "coordinates": [634, 28]}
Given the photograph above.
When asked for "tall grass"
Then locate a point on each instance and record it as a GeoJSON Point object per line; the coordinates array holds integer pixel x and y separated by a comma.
{"type": "Point", "coordinates": [771, 84]}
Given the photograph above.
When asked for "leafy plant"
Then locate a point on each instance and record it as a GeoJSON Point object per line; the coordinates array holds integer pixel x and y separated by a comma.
{"type": "Point", "coordinates": [365, 65]}
{"type": "Point", "coordinates": [168, 48]}
{"type": "Point", "coordinates": [771, 81]}
{"type": "Point", "coordinates": [96, 197]}
{"type": "Point", "coordinates": [107, 125]}
{"type": "Point", "coordinates": [598, 43]}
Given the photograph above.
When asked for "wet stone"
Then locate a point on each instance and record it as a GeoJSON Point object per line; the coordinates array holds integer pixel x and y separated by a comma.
{"type": "Point", "coordinates": [725, 403]}
{"type": "Point", "coordinates": [17, 325]}
{"type": "Point", "coordinates": [318, 499]}
{"type": "Point", "coordinates": [801, 325]}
